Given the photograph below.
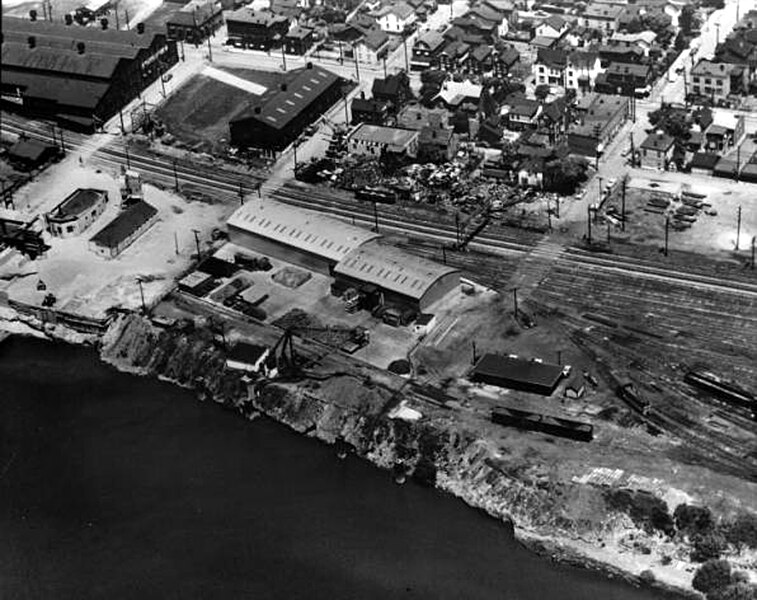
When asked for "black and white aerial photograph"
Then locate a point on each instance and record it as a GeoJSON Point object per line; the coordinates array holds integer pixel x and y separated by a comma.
{"type": "Point", "coordinates": [378, 300]}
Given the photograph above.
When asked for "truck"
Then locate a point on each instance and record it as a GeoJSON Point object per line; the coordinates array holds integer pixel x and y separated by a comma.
{"type": "Point", "coordinates": [359, 338]}
{"type": "Point", "coordinates": [131, 188]}
{"type": "Point", "coordinates": [396, 316]}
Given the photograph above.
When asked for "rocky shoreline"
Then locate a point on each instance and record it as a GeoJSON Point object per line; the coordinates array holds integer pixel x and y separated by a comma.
{"type": "Point", "coordinates": [438, 453]}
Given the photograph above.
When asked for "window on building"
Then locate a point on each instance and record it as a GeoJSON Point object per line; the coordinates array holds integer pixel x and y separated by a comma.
{"type": "Point", "coordinates": [708, 81]}
{"type": "Point", "coordinates": [70, 229]}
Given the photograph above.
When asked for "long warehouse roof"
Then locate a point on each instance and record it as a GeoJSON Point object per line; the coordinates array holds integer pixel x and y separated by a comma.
{"type": "Point", "coordinates": [392, 269]}
{"type": "Point", "coordinates": [302, 229]}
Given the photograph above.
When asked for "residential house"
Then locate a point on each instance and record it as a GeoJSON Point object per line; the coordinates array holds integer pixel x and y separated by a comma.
{"type": "Point", "coordinates": [426, 50]}
{"type": "Point", "coordinates": [290, 9]}
{"type": "Point", "coordinates": [544, 43]}
{"type": "Point", "coordinates": [369, 110]}
{"type": "Point", "coordinates": [549, 67]}
{"type": "Point", "coordinates": [504, 60]}
{"type": "Point", "coordinates": [396, 17]}
{"type": "Point", "coordinates": [485, 28]}
{"type": "Point", "coordinates": [714, 80]}
{"type": "Point", "coordinates": [492, 15]}
{"type": "Point", "coordinates": [375, 140]}
{"type": "Point", "coordinates": [481, 60]}
{"type": "Point", "coordinates": [619, 54]}
{"type": "Point", "coordinates": [740, 48]}
{"type": "Point", "coordinates": [454, 56]}
{"type": "Point", "coordinates": [299, 40]}
{"type": "Point", "coordinates": [507, 8]}
{"type": "Point", "coordinates": [703, 163]}
{"type": "Point", "coordinates": [644, 40]}
{"type": "Point", "coordinates": [394, 90]}
{"type": "Point", "coordinates": [456, 95]}
{"type": "Point", "coordinates": [624, 79]}
{"type": "Point", "coordinates": [554, 119]}
{"type": "Point", "coordinates": [523, 114]}
{"type": "Point", "coordinates": [255, 28]}
{"type": "Point", "coordinates": [531, 172]}
{"type": "Point", "coordinates": [415, 116]}
{"type": "Point", "coordinates": [600, 117]}
{"type": "Point", "coordinates": [657, 151]}
{"type": "Point", "coordinates": [437, 144]}
{"type": "Point", "coordinates": [372, 48]}
{"type": "Point", "coordinates": [553, 27]}
{"type": "Point", "coordinates": [725, 131]}
{"type": "Point", "coordinates": [582, 70]}
{"type": "Point", "coordinates": [602, 16]}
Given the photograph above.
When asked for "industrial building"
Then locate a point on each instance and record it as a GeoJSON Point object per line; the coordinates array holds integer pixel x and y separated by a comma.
{"type": "Point", "coordinates": [195, 22]}
{"type": "Point", "coordinates": [117, 235]}
{"type": "Point", "coordinates": [403, 279]}
{"type": "Point", "coordinates": [352, 255]}
{"type": "Point", "coordinates": [280, 115]}
{"type": "Point", "coordinates": [79, 76]}
{"type": "Point", "coordinates": [301, 237]}
{"type": "Point", "coordinates": [375, 140]}
{"type": "Point", "coordinates": [76, 213]}
{"type": "Point", "coordinates": [517, 373]}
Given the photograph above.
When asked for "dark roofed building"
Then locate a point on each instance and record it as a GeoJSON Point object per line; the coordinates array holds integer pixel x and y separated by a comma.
{"type": "Point", "coordinates": [703, 163]}
{"type": "Point", "coordinates": [274, 120]}
{"type": "Point", "coordinates": [436, 144]}
{"type": "Point", "coordinates": [394, 90]}
{"type": "Point", "coordinates": [517, 373]}
{"type": "Point", "coordinates": [79, 76]}
{"type": "Point", "coordinates": [194, 23]}
{"type": "Point", "coordinates": [117, 235]}
{"type": "Point", "coordinates": [77, 212]}
{"type": "Point", "coordinates": [657, 151]}
{"type": "Point", "coordinates": [250, 358]}
{"type": "Point", "coordinates": [30, 154]}
{"type": "Point", "coordinates": [368, 110]}
{"type": "Point", "coordinates": [299, 40]}
{"type": "Point", "coordinates": [257, 29]}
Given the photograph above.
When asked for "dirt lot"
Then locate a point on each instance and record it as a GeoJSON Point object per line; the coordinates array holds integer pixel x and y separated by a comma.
{"type": "Point", "coordinates": [198, 114]}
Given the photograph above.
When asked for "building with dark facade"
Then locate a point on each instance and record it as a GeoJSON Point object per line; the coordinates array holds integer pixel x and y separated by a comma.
{"type": "Point", "coordinates": [194, 23]}
{"type": "Point", "coordinates": [79, 76]}
{"type": "Point", "coordinates": [247, 28]}
{"type": "Point", "coordinates": [279, 116]}
{"type": "Point", "coordinates": [517, 373]}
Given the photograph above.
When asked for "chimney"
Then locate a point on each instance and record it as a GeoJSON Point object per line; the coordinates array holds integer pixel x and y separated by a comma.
{"type": "Point", "coordinates": [310, 65]}
{"type": "Point", "coordinates": [283, 87]}
{"type": "Point", "coordinates": [68, 19]}
{"type": "Point", "coordinates": [32, 41]}
{"type": "Point", "coordinates": [80, 47]}
{"type": "Point", "coordinates": [140, 28]}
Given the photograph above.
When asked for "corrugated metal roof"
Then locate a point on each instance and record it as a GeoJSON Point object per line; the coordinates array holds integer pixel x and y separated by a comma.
{"type": "Point", "coordinates": [71, 92]}
{"type": "Point", "coordinates": [392, 269]}
{"type": "Point", "coordinates": [124, 225]}
{"type": "Point", "coordinates": [518, 370]}
{"type": "Point", "coordinates": [56, 60]}
{"type": "Point", "coordinates": [303, 229]}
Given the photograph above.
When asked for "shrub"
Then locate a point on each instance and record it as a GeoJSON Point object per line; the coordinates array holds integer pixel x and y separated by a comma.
{"type": "Point", "coordinates": [707, 547]}
{"type": "Point", "coordinates": [711, 576]}
{"type": "Point", "coordinates": [693, 520]}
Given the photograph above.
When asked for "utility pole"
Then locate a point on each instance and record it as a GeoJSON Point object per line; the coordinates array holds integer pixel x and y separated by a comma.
{"type": "Point", "coordinates": [142, 294]}
{"type": "Point", "coordinates": [357, 67]}
{"type": "Point", "coordinates": [444, 254]}
{"type": "Point", "coordinates": [407, 62]}
{"type": "Point", "coordinates": [294, 146]}
{"type": "Point", "coordinates": [599, 198]}
{"type": "Point", "coordinates": [557, 207]}
{"type": "Point", "coordinates": [515, 302]}
{"type": "Point", "coordinates": [384, 59]}
{"type": "Point", "coordinates": [241, 193]}
{"type": "Point", "coordinates": [457, 228]}
{"type": "Point", "coordinates": [52, 131]}
{"type": "Point", "coordinates": [62, 141]}
{"type": "Point", "coordinates": [259, 186]}
{"type": "Point", "coordinates": [608, 233]}
{"type": "Point", "coordinates": [121, 118]}
{"type": "Point", "coordinates": [753, 239]}
{"type": "Point", "coordinates": [161, 71]}
{"type": "Point", "coordinates": [284, 57]}
{"type": "Point", "coordinates": [717, 34]}
{"type": "Point", "coordinates": [623, 205]}
{"type": "Point", "coordinates": [346, 110]}
{"type": "Point", "coordinates": [473, 347]}
{"type": "Point", "coordinates": [667, 233]}
{"type": "Point", "coordinates": [588, 222]}
{"type": "Point", "coordinates": [738, 162]}
{"type": "Point", "coordinates": [738, 228]}
{"type": "Point", "coordinates": [176, 242]}
{"type": "Point", "coordinates": [197, 242]}
{"type": "Point", "coordinates": [126, 150]}
{"type": "Point", "coordinates": [375, 217]}
{"type": "Point", "coordinates": [210, 51]}
{"type": "Point", "coordinates": [559, 357]}
{"type": "Point", "coordinates": [633, 150]}
{"type": "Point", "coordinates": [126, 14]}
{"type": "Point", "coordinates": [175, 176]}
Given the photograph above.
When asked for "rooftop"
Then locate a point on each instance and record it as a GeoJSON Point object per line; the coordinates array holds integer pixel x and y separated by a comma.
{"type": "Point", "coordinates": [518, 371]}
{"type": "Point", "coordinates": [303, 229]}
{"type": "Point", "coordinates": [604, 12]}
{"type": "Point", "coordinates": [278, 106]}
{"type": "Point", "coordinates": [255, 17]}
{"type": "Point", "coordinates": [708, 68]}
{"type": "Point", "coordinates": [658, 141]}
{"type": "Point", "coordinates": [125, 224]}
{"type": "Point", "coordinates": [648, 37]}
{"type": "Point", "coordinates": [77, 202]}
{"type": "Point", "coordinates": [246, 353]}
{"type": "Point", "coordinates": [433, 39]}
{"type": "Point", "coordinates": [29, 149]}
{"type": "Point", "coordinates": [392, 269]}
{"type": "Point", "coordinates": [402, 10]}
{"type": "Point", "coordinates": [383, 135]}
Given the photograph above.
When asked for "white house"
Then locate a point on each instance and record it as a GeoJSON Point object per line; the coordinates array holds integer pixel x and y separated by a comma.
{"type": "Point", "coordinates": [372, 48]}
{"type": "Point", "coordinates": [395, 18]}
{"type": "Point", "coordinates": [642, 39]}
{"type": "Point", "coordinates": [552, 27]}
{"type": "Point", "coordinates": [582, 70]}
{"type": "Point", "coordinates": [250, 358]}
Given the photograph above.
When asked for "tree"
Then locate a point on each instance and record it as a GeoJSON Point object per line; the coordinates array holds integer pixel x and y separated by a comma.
{"type": "Point", "coordinates": [681, 42]}
{"type": "Point", "coordinates": [564, 176]}
{"type": "Point", "coordinates": [688, 20]}
{"type": "Point", "coordinates": [743, 530]}
{"type": "Point", "coordinates": [693, 520]}
{"type": "Point", "coordinates": [634, 26]}
{"type": "Point", "coordinates": [707, 546]}
{"type": "Point", "coordinates": [711, 576]}
{"type": "Point", "coordinates": [735, 591]}
{"type": "Point", "coordinates": [541, 92]}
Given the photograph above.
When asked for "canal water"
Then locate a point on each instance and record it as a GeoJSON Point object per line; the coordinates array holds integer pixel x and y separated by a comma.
{"type": "Point", "coordinates": [115, 486]}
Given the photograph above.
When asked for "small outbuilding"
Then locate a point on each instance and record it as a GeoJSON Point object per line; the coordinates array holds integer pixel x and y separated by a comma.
{"type": "Point", "coordinates": [30, 154]}
{"type": "Point", "coordinates": [250, 358]}
{"type": "Point", "coordinates": [117, 235]}
{"type": "Point", "coordinates": [76, 213]}
{"type": "Point", "coordinates": [575, 388]}
{"type": "Point", "coordinates": [517, 373]}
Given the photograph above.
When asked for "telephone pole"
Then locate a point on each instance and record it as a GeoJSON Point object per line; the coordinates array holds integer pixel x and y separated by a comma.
{"type": "Point", "coordinates": [623, 206]}
{"type": "Point", "coordinates": [515, 302]}
{"type": "Point", "coordinates": [375, 217]}
{"type": "Point", "coordinates": [588, 221]}
{"type": "Point", "coordinates": [667, 233]}
{"type": "Point", "coordinates": [738, 228]}
{"type": "Point", "coordinates": [142, 294]}
{"type": "Point", "coordinates": [175, 176]}
{"type": "Point", "coordinates": [197, 242]}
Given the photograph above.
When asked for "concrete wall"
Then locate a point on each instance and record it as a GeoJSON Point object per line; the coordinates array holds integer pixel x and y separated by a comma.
{"type": "Point", "coordinates": [278, 250]}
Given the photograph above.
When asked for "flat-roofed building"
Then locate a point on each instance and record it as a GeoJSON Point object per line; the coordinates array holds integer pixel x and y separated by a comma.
{"type": "Point", "coordinates": [76, 213]}
{"type": "Point", "coordinates": [258, 29]}
{"type": "Point", "coordinates": [712, 79]}
{"type": "Point", "coordinates": [600, 118]}
{"type": "Point", "coordinates": [301, 237]}
{"type": "Point", "coordinates": [517, 373]}
{"type": "Point", "coordinates": [195, 22]}
{"type": "Point", "coordinates": [374, 140]}
{"type": "Point", "coordinates": [403, 278]}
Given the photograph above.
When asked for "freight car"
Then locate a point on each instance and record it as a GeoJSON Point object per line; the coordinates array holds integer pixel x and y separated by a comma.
{"type": "Point", "coordinates": [559, 427]}
{"type": "Point", "coordinates": [722, 389]}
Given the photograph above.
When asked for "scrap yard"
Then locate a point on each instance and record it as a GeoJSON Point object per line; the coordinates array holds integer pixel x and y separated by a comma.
{"type": "Point", "coordinates": [474, 258]}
